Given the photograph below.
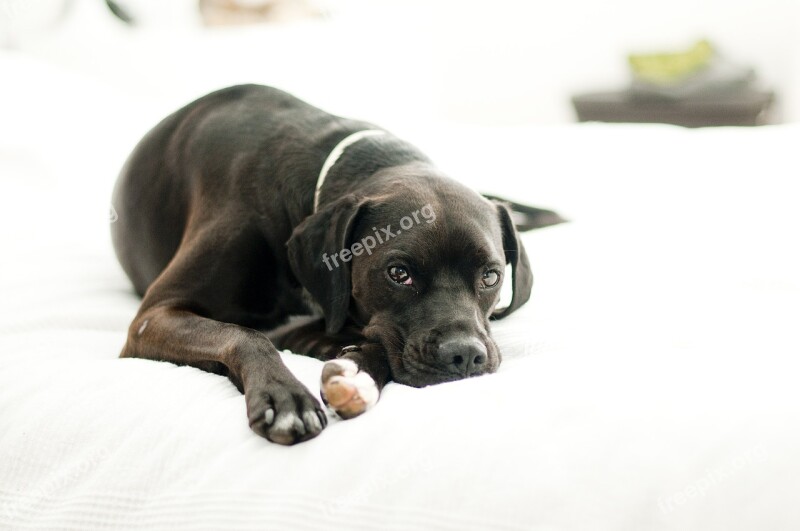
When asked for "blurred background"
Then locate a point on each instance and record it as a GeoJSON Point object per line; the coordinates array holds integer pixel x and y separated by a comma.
{"type": "Point", "coordinates": [505, 62]}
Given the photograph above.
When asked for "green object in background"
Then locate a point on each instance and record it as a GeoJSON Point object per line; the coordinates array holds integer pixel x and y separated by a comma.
{"type": "Point", "coordinates": [670, 68]}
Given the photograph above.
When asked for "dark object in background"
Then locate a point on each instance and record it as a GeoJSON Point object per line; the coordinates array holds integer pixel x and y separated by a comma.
{"type": "Point", "coordinates": [747, 108]}
{"type": "Point", "coordinates": [696, 87]}
{"type": "Point", "coordinates": [119, 12]}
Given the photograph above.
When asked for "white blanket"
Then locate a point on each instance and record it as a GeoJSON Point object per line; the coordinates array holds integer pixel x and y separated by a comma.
{"type": "Point", "coordinates": [650, 383]}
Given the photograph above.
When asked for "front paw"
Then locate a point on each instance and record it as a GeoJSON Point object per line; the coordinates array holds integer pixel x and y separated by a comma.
{"type": "Point", "coordinates": [346, 390]}
{"type": "Point", "coordinates": [285, 413]}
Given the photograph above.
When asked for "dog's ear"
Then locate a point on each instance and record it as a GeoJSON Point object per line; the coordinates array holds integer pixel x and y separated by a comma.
{"type": "Point", "coordinates": [314, 258]}
{"type": "Point", "coordinates": [521, 275]}
{"type": "Point", "coordinates": [526, 217]}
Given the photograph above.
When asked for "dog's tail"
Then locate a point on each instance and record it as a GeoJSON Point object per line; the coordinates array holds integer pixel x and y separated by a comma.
{"type": "Point", "coordinates": [526, 217]}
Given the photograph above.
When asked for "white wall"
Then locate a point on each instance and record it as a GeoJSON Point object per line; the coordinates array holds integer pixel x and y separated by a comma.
{"type": "Point", "coordinates": [489, 62]}
{"type": "Point", "coordinates": [513, 61]}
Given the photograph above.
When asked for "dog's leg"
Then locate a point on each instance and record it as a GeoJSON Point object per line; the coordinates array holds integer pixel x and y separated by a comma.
{"type": "Point", "coordinates": [352, 378]}
{"type": "Point", "coordinates": [170, 327]}
{"type": "Point", "coordinates": [279, 407]}
{"type": "Point", "coordinates": [309, 339]}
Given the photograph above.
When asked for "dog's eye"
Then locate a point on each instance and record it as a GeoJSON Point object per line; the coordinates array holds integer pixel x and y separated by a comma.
{"type": "Point", "coordinates": [491, 278]}
{"type": "Point", "coordinates": [400, 275]}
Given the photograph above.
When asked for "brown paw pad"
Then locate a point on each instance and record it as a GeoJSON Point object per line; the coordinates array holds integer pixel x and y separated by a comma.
{"type": "Point", "coordinates": [345, 390]}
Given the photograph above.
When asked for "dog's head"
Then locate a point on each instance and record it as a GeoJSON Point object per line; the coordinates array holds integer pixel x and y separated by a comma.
{"type": "Point", "coordinates": [419, 263]}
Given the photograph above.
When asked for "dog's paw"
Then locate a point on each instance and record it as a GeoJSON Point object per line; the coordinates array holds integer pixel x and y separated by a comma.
{"type": "Point", "coordinates": [346, 390]}
{"type": "Point", "coordinates": [285, 413]}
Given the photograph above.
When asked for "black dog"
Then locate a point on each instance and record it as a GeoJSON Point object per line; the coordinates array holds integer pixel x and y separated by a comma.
{"type": "Point", "coordinates": [248, 206]}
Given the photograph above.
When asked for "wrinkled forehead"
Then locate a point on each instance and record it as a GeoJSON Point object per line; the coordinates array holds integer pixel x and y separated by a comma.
{"type": "Point", "coordinates": [436, 229]}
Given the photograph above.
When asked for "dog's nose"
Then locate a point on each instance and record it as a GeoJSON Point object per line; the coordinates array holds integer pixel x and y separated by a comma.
{"type": "Point", "coordinates": [463, 355]}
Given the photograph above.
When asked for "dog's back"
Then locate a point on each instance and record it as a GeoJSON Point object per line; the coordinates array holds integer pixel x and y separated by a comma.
{"type": "Point", "coordinates": [242, 138]}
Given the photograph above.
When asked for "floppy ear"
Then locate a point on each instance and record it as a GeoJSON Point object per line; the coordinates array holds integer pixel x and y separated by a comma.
{"type": "Point", "coordinates": [526, 217]}
{"type": "Point", "coordinates": [522, 277]}
{"type": "Point", "coordinates": [314, 258]}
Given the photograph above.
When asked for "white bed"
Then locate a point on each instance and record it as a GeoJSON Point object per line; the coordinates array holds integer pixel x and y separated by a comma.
{"type": "Point", "coordinates": [650, 383]}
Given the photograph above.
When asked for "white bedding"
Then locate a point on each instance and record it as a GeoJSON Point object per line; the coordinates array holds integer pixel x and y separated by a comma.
{"type": "Point", "coordinates": [650, 383]}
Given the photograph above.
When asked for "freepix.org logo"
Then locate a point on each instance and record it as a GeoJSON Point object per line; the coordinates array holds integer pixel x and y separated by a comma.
{"type": "Point", "coordinates": [368, 243]}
